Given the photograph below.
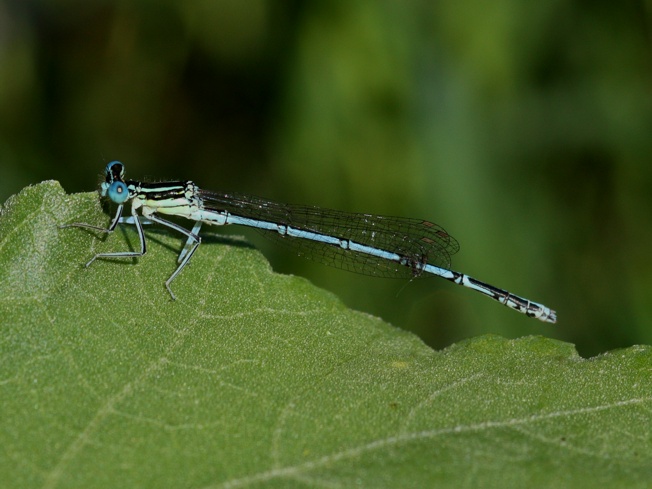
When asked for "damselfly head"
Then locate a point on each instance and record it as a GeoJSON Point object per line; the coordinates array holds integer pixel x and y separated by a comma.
{"type": "Point", "coordinates": [114, 185]}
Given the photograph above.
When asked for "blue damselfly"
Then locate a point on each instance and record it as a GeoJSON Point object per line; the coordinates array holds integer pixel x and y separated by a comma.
{"type": "Point", "coordinates": [373, 245]}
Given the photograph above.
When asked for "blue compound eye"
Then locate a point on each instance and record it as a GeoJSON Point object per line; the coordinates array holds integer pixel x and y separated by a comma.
{"type": "Point", "coordinates": [115, 170]}
{"type": "Point", "coordinates": [118, 192]}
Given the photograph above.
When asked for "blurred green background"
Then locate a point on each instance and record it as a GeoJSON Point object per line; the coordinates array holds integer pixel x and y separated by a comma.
{"type": "Point", "coordinates": [523, 128]}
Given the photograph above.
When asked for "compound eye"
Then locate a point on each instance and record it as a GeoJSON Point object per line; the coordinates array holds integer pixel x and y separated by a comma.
{"type": "Point", "coordinates": [118, 192]}
{"type": "Point", "coordinates": [115, 171]}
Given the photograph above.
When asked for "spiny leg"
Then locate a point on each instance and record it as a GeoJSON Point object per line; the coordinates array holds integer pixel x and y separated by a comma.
{"type": "Point", "coordinates": [114, 223]}
{"type": "Point", "coordinates": [188, 250]}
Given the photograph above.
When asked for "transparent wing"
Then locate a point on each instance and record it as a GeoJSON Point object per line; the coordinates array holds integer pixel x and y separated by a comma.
{"type": "Point", "coordinates": [417, 240]}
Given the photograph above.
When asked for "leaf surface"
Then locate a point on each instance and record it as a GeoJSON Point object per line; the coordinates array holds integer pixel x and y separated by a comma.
{"type": "Point", "coordinates": [254, 379]}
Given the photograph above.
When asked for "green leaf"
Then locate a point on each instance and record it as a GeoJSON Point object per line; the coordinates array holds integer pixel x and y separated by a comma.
{"type": "Point", "coordinates": [254, 379]}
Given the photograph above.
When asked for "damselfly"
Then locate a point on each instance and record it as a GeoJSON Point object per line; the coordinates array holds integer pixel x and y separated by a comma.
{"type": "Point", "coordinates": [364, 243]}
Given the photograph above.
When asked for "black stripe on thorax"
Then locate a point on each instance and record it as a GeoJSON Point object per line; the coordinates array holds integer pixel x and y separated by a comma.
{"type": "Point", "coordinates": [161, 190]}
